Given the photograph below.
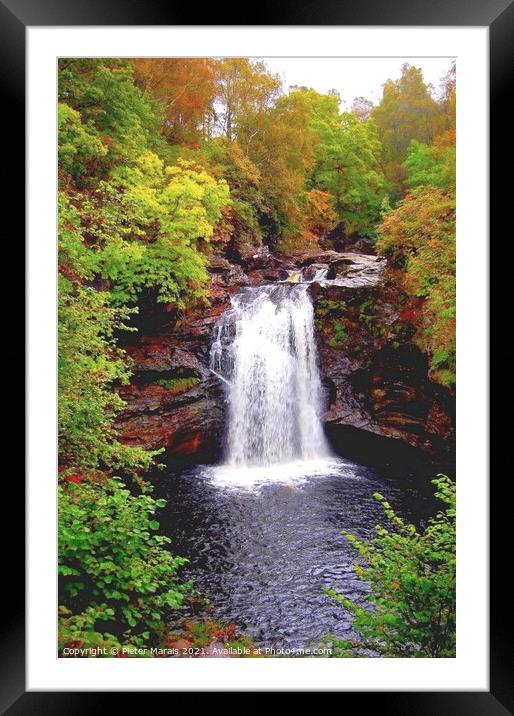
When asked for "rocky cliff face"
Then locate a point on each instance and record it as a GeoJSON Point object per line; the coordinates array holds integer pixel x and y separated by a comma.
{"type": "Point", "coordinates": [174, 401]}
{"type": "Point", "coordinates": [375, 377]}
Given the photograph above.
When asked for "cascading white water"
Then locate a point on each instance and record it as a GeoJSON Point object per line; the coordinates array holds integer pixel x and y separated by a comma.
{"type": "Point", "coordinates": [264, 348]}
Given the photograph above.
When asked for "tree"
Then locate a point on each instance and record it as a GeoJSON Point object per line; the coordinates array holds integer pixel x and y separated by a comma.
{"type": "Point", "coordinates": [243, 87]}
{"type": "Point", "coordinates": [89, 365]}
{"type": "Point", "coordinates": [407, 111]}
{"type": "Point", "coordinates": [410, 609]}
{"type": "Point", "coordinates": [111, 108]}
{"type": "Point", "coordinates": [79, 146]}
{"type": "Point", "coordinates": [226, 159]}
{"type": "Point", "coordinates": [320, 215]}
{"type": "Point", "coordinates": [165, 218]}
{"type": "Point", "coordinates": [184, 88]}
{"type": "Point", "coordinates": [279, 143]}
{"type": "Point", "coordinates": [347, 163]}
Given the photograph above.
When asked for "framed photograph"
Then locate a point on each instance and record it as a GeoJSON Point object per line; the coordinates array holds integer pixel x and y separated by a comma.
{"type": "Point", "coordinates": [258, 415]}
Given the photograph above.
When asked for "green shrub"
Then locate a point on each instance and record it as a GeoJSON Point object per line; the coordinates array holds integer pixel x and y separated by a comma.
{"type": "Point", "coordinates": [411, 574]}
{"type": "Point", "coordinates": [110, 556]}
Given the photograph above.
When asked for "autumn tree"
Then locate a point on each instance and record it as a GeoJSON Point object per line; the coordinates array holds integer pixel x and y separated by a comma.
{"type": "Point", "coordinates": [320, 215]}
{"type": "Point", "coordinates": [243, 87]}
{"type": "Point", "coordinates": [184, 88]}
{"type": "Point", "coordinates": [418, 236]}
{"type": "Point", "coordinates": [241, 221]}
{"type": "Point", "coordinates": [279, 143]}
{"type": "Point", "coordinates": [407, 111]}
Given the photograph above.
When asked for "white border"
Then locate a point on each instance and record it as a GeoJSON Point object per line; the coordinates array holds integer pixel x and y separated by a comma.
{"type": "Point", "coordinates": [469, 670]}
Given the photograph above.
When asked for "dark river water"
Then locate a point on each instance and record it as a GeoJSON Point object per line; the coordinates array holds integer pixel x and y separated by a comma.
{"type": "Point", "coordinates": [262, 547]}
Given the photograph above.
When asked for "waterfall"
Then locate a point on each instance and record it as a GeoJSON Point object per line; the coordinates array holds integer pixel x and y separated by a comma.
{"type": "Point", "coordinates": [264, 348]}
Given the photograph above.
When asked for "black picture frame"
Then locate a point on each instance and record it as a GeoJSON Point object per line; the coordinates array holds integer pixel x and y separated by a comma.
{"type": "Point", "coordinates": [498, 15]}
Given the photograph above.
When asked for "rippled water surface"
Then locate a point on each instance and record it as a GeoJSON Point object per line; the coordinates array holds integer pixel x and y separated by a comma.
{"type": "Point", "coordinates": [262, 545]}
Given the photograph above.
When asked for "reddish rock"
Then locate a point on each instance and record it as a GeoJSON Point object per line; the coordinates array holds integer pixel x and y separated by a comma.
{"type": "Point", "coordinates": [189, 446]}
{"type": "Point", "coordinates": [162, 355]}
{"type": "Point", "coordinates": [184, 424]}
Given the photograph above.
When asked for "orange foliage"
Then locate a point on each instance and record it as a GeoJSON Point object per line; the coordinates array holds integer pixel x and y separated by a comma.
{"type": "Point", "coordinates": [320, 215]}
{"type": "Point", "coordinates": [184, 87]}
{"type": "Point", "coordinates": [446, 139]}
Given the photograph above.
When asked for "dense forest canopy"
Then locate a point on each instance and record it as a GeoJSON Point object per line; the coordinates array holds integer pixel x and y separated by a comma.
{"type": "Point", "coordinates": [161, 163]}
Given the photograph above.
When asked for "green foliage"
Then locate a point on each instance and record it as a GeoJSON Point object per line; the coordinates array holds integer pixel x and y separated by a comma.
{"type": "Point", "coordinates": [165, 217]}
{"type": "Point", "coordinates": [419, 237]}
{"type": "Point", "coordinates": [184, 199]}
{"type": "Point", "coordinates": [348, 155]}
{"type": "Point", "coordinates": [325, 306]}
{"type": "Point", "coordinates": [111, 107]}
{"type": "Point", "coordinates": [145, 229]}
{"type": "Point", "coordinates": [431, 166]}
{"type": "Point", "coordinates": [89, 363]}
{"type": "Point", "coordinates": [369, 316]}
{"type": "Point", "coordinates": [326, 312]}
{"type": "Point", "coordinates": [74, 257]}
{"type": "Point", "coordinates": [141, 224]}
{"type": "Point", "coordinates": [77, 631]}
{"type": "Point", "coordinates": [411, 575]}
{"type": "Point", "coordinates": [109, 550]}
{"type": "Point", "coordinates": [77, 145]}
{"type": "Point", "coordinates": [125, 223]}
{"type": "Point", "coordinates": [407, 111]}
